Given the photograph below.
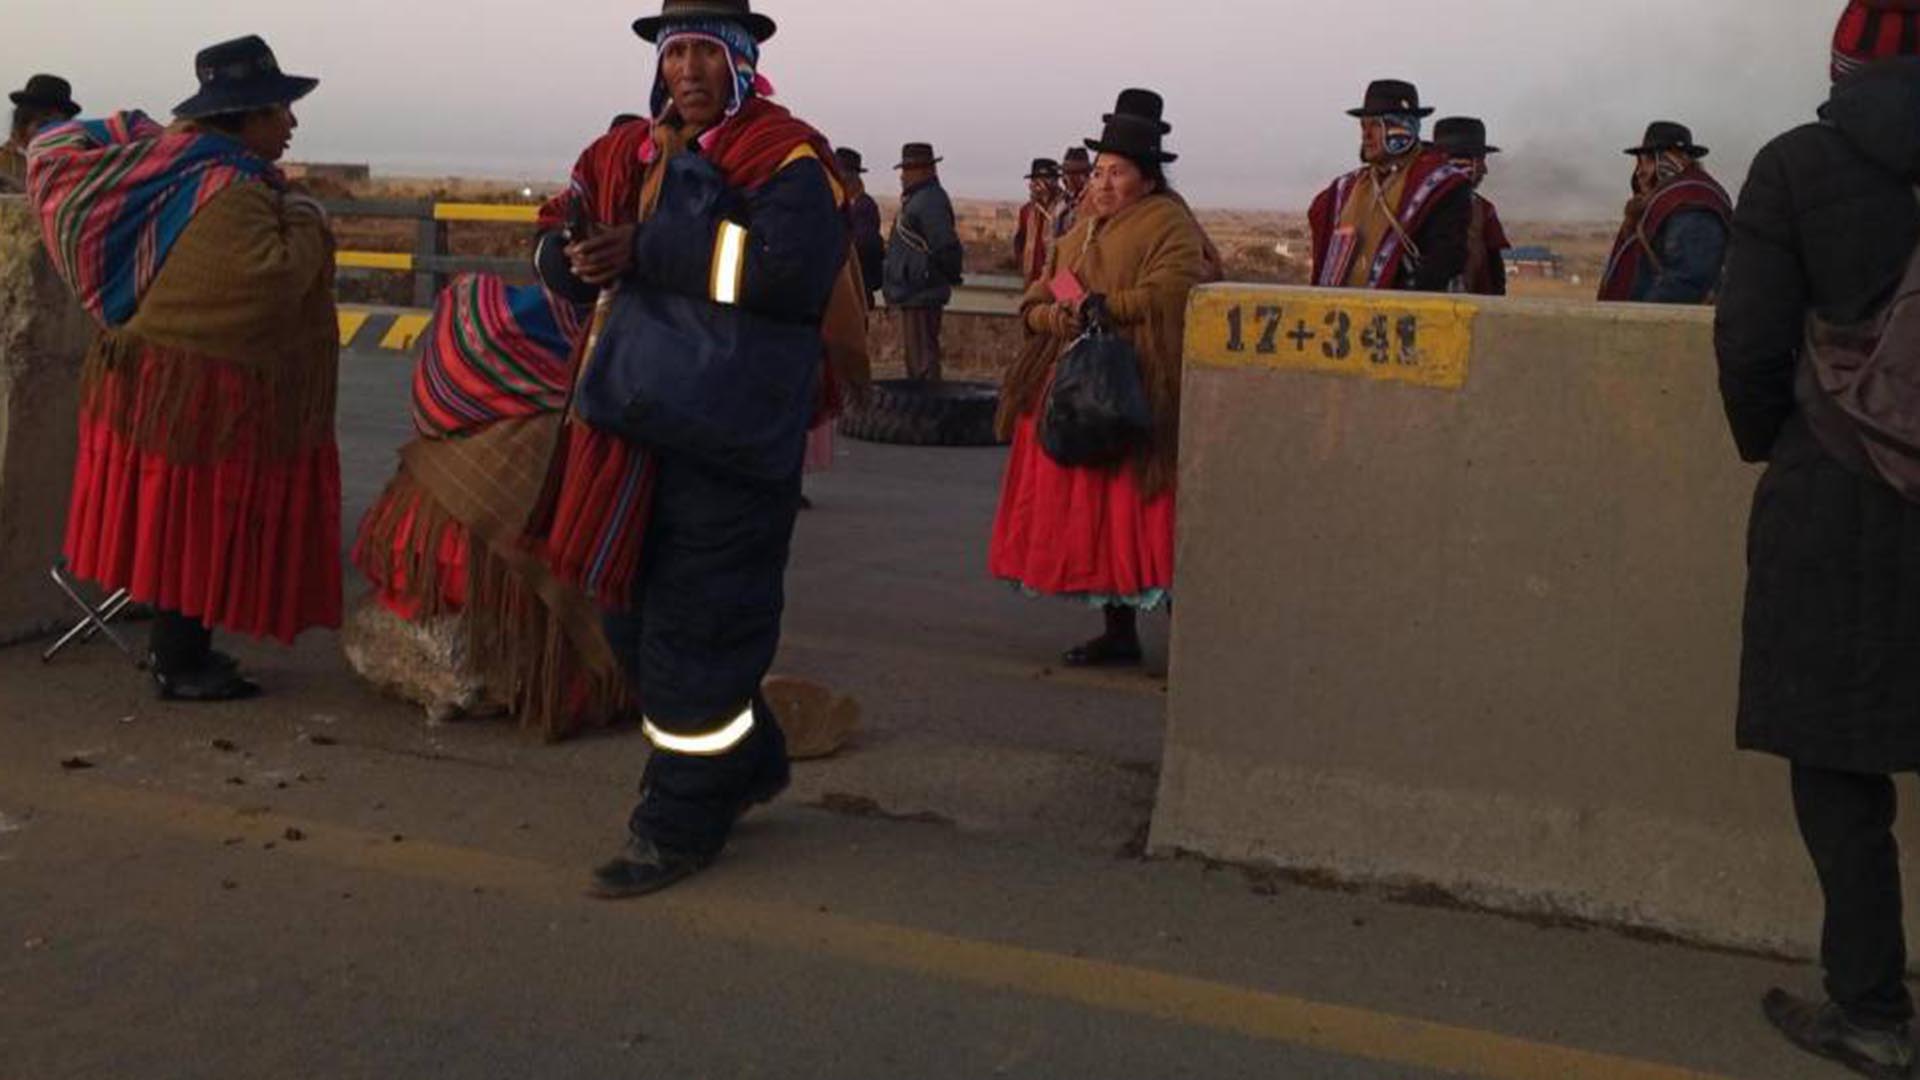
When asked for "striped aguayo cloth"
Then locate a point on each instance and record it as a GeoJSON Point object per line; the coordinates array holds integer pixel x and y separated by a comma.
{"type": "Point", "coordinates": [114, 195]}
{"type": "Point", "coordinates": [497, 353]}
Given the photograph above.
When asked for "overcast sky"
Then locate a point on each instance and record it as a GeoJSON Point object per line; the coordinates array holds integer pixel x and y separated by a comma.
{"type": "Point", "coordinates": [1256, 88]}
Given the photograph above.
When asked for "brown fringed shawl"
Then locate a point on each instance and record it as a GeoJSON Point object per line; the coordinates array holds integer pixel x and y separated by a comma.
{"type": "Point", "coordinates": [235, 348]}
{"type": "Point", "coordinates": [1145, 260]}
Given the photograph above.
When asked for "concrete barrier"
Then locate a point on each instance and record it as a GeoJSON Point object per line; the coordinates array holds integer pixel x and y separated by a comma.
{"type": "Point", "coordinates": [43, 337]}
{"type": "Point", "coordinates": [1459, 606]}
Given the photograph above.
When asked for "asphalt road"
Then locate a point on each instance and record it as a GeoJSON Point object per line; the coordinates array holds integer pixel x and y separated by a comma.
{"type": "Point", "coordinates": [319, 885]}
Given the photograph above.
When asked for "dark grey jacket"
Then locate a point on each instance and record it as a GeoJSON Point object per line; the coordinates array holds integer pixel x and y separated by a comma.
{"type": "Point", "coordinates": [1693, 248]}
{"type": "Point", "coordinates": [924, 254]}
{"type": "Point", "coordinates": [1826, 224]}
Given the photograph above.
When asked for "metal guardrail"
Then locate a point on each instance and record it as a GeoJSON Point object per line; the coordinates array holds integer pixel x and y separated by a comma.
{"type": "Point", "coordinates": [431, 264]}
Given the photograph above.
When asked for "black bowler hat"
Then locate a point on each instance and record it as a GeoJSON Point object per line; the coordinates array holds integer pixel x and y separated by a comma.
{"type": "Point", "coordinates": [1386, 97]}
{"type": "Point", "coordinates": [740, 11]}
{"type": "Point", "coordinates": [47, 92]}
{"type": "Point", "coordinates": [1667, 135]}
{"type": "Point", "coordinates": [1044, 169]}
{"type": "Point", "coordinates": [1462, 137]}
{"type": "Point", "coordinates": [238, 76]}
{"type": "Point", "coordinates": [850, 161]}
{"type": "Point", "coordinates": [1076, 160]}
{"type": "Point", "coordinates": [918, 155]}
{"type": "Point", "coordinates": [1134, 128]}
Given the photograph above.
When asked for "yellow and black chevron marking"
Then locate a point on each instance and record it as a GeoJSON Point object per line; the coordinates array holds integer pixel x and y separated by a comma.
{"type": "Point", "coordinates": [389, 329]}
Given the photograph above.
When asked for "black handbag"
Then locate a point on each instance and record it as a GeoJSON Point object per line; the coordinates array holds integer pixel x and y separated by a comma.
{"type": "Point", "coordinates": [678, 372]}
{"type": "Point", "coordinates": [1096, 411]}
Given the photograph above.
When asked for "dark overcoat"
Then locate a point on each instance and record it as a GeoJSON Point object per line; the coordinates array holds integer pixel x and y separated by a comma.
{"type": "Point", "coordinates": [1826, 224]}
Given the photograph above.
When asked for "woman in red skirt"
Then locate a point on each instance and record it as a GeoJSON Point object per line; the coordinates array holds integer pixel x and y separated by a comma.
{"type": "Point", "coordinates": [207, 482]}
{"type": "Point", "coordinates": [1104, 536]}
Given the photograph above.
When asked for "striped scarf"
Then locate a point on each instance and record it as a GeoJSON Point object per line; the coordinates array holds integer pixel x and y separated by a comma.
{"type": "Point", "coordinates": [114, 196]}
{"type": "Point", "coordinates": [496, 353]}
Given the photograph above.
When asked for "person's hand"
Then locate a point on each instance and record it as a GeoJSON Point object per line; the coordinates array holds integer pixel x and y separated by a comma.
{"type": "Point", "coordinates": [605, 257]}
{"type": "Point", "coordinates": [1067, 321]}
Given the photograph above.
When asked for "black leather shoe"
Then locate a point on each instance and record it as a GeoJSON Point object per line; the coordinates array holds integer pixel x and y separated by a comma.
{"type": "Point", "coordinates": [207, 685]}
{"type": "Point", "coordinates": [642, 870]}
{"type": "Point", "coordinates": [1105, 652]}
{"type": "Point", "coordinates": [1824, 1031]}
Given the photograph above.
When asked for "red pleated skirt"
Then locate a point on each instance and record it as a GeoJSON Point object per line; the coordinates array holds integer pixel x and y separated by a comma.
{"type": "Point", "coordinates": [241, 544]}
{"type": "Point", "coordinates": [1087, 534]}
{"type": "Point", "coordinates": [386, 560]}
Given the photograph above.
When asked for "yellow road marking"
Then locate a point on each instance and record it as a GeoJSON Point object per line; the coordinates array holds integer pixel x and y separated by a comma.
{"type": "Point", "coordinates": [1340, 1030]}
{"type": "Point", "coordinates": [1386, 337]}
{"type": "Point", "coordinates": [406, 330]}
{"type": "Point", "coordinates": [485, 212]}
{"type": "Point", "coordinates": [374, 260]}
{"type": "Point", "coordinates": [350, 324]}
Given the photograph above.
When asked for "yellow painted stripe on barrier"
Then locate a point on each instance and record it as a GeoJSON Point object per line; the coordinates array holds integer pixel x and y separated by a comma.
{"type": "Point", "coordinates": [520, 215]}
{"type": "Point", "coordinates": [350, 324]}
{"type": "Point", "coordinates": [406, 330]}
{"type": "Point", "coordinates": [1387, 337]}
{"type": "Point", "coordinates": [374, 260]}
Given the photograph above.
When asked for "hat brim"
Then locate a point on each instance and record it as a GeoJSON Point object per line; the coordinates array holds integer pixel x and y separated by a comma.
{"type": "Point", "coordinates": [28, 101]}
{"type": "Point", "coordinates": [761, 27]}
{"type": "Point", "coordinates": [1165, 128]}
{"type": "Point", "coordinates": [1368, 114]}
{"type": "Point", "coordinates": [1696, 151]}
{"type": "Point", "coordinates": [279, 90]}
{"type": "Point", "coordinates": [1132, 153]}
{"type": "Point", "coordinates": [1467, 151]}
{"type": "Point", "coordinates": [918, 164]}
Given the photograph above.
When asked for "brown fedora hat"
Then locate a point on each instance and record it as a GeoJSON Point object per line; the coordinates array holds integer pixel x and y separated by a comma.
{"type": "Point", "coordinates": [1386, 97]}
{"type": "Point", "coordinates": [1462, 137]}
{"type": "Point", "coordinates": [1667, 135]}
{"type": "Point", "coordinates": [918, 154]}
{"type": "Point", "coordinates": [740, 11]}
{"type": "Point", "coordinates": [47, 92]}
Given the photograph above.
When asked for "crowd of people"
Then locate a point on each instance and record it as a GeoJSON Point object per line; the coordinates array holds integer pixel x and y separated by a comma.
{"type": "Point", "coordinates": [606, 475]}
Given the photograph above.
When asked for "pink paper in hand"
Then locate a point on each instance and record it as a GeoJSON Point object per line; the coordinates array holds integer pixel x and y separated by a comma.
{"type": "Point", "coordinates": [1067, 289]}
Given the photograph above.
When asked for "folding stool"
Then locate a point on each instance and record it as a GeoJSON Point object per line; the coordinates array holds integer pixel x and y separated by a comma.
{"type": "Point", "coordinates": [94, 622]}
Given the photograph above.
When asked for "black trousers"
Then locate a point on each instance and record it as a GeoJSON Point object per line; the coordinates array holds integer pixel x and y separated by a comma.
{"type": "Point", "coordinates": [179, 644]}
{"type": "Point", "coordinates": [700, 637]}
{"type": "Point", "coordinates": [1847, 820]}
{"type": "Point", "coordinates": [690, 804]}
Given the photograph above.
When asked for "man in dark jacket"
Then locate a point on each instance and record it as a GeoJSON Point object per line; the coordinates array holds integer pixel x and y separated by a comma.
{"type": "Point", "coordinates": [1463, 139]}
{"type": "Point", "coordinates": [1830, 679]}
{"type": "Point", "coordinates": [863, 221]}
{"type": "Point", "coordinates": [1076, 172]}
{"type": "Point", "coordinates": [1674, 239]}
{"type": "Point", "coordinates": [716, 228]}
{"type": "Point", "coordinates": [924, 259]}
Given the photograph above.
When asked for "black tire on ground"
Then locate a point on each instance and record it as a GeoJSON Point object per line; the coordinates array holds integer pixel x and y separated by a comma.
{"type": "Point", "coordinates": [906, 412]}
